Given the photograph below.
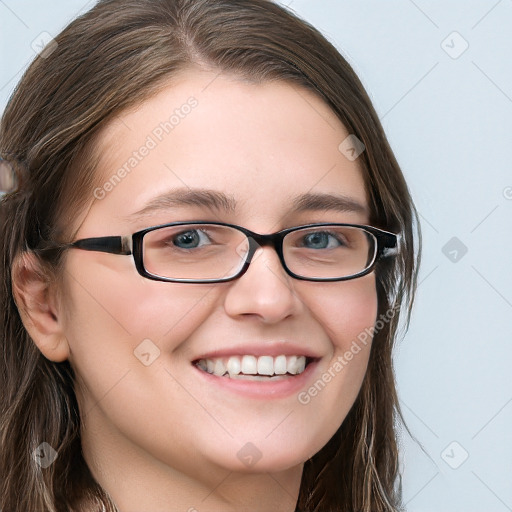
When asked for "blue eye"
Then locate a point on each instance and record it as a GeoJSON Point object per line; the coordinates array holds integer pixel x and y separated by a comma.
{"type": "Point", "coordinates": [190, 239]}
{"type": "Point", "coordinates": [320, 240]}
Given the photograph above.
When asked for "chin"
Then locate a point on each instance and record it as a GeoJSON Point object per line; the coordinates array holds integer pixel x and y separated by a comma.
{"type": "Point", "coordinates": [255, 458]}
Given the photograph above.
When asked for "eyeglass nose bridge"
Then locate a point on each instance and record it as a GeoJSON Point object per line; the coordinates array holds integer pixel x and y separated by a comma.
{"type": "Point", "coordinates": [257, 241]}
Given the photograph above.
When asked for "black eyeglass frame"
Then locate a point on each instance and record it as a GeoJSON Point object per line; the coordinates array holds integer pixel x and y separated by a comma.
{"type": "Point", "coordinates": [387, 245]}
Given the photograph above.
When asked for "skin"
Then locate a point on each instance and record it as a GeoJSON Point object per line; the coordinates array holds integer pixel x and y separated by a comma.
{"type": "Point", "coordinates": [154, 437]}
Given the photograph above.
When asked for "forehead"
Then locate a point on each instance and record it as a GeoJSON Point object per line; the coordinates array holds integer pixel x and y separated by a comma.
{"type": "Point", "coordinates": [262, 144]}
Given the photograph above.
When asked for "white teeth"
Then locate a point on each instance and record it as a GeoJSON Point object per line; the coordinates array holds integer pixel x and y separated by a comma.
{"type": "Point", "coordinates": [233, 366]}
{"type": "Point", "coordinates": [296, 364]}
{"type": "Point", "coordinates": [239, 367]}
{"type": "Point", "coordinates": [292, 365]}
{"type": "Point", "coordinates": [266, 365]}
{"type": "Point", "coordinates": [280, 365]}
{"type": "Point", "coordinates": [219, 368]}
{"type": "Point", "coordinates": [249, 365]}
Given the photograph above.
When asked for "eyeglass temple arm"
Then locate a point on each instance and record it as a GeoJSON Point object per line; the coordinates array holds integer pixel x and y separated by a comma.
{"type": "Point", "coordinates": [391, 245]}
{"type": "Point", "coordinates": [110, 244]}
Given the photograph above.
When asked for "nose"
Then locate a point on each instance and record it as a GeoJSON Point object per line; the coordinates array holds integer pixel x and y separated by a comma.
{"type": "Point", "coordinates": [265, 291]}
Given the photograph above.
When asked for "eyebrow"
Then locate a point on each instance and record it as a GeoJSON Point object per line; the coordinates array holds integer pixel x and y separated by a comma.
{"type": "Point", "coordinates": [211, 199]}
{"type": "Point", "coordinates": [219, 201]}
{"type": "Point", "coordinates": [327, 202]}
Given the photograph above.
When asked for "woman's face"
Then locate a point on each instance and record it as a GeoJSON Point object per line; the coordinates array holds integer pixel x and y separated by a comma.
{"type": "Point", "coordinates": [133, 342]}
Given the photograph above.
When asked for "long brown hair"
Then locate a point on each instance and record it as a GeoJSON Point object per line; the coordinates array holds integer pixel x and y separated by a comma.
{"type": "Point", "coordinates": [111, 58]}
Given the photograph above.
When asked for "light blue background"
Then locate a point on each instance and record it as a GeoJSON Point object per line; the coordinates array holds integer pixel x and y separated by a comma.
{"type": "Point", "coordinates": [448, 122]}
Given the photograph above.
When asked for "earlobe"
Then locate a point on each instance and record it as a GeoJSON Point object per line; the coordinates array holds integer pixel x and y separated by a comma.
{"type": "Point", "coordinates": [38, 307]}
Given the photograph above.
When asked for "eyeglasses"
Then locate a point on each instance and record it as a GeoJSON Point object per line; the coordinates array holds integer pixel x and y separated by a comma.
{"type": "Point", "coordinates": [215, 252]}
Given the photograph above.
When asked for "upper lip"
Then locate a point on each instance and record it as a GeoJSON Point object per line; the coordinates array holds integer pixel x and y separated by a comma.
{"type": "Point", "coordinates": [261, 349]}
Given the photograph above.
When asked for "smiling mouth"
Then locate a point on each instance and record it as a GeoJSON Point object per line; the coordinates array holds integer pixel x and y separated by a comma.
{"type": "Point", "coordinates": [250, 367]}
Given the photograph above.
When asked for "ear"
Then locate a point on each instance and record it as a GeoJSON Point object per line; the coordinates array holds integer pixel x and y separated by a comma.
{"type": "Point", "coordinates": [37, 305]}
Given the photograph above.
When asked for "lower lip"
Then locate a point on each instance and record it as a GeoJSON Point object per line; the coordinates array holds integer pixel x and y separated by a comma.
{"type": "Point", "coordinates": [273, 389]}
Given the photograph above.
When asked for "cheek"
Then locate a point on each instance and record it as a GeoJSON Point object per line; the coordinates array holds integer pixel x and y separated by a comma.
{"type": "Point", "coordinates": [344, 310]}
{"type": "Point", "coordinates": [347, 312]}
{"type": "Point", "coordinates": [118, 300]}
{"type": "Point", "coordinates": [111, 315]}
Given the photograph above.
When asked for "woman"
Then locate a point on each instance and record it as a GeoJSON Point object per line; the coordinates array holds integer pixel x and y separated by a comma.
{"type": "Point", "coordinates": [204, 261]}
